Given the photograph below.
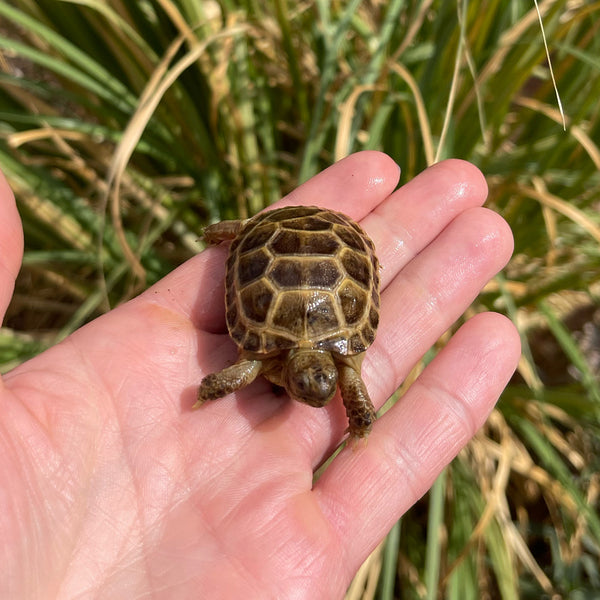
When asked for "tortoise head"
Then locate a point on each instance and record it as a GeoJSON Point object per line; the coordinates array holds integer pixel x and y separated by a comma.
{"type": "Point", "coordinates": [311, 377]}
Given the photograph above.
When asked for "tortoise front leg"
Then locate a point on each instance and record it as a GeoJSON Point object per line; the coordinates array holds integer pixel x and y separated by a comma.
{"type": "Point", "coordinates": [359, 408]}
{"type": "Point", "coordinates": [238, 375]}
{"type": "Point", "coordinates": [223, 231]}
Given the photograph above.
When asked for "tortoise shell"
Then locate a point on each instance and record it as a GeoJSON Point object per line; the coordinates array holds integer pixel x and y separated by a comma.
{"type": "Point", "coordinates": [302, 277]}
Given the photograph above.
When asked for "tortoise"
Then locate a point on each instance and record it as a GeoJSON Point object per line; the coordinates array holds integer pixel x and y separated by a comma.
{"type": "Point", "coordinates": [302, 305]}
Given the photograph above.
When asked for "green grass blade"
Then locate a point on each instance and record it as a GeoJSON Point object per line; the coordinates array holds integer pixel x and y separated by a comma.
{"type": "Point", "coordinates": [389, 567]}
{"type": "Point", "coordinates": [434, 546]}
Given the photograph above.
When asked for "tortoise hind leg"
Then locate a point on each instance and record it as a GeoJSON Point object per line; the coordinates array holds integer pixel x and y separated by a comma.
{"type": "Point", "coordinates": [222, 232]}
{"type": "Point", "coordinates": [238, 375]}
{"type": "Point", "coordinates": [359, 408]}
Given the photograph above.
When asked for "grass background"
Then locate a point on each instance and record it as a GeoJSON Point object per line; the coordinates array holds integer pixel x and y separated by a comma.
{"type": "Point", "coordinates": [126, 126]}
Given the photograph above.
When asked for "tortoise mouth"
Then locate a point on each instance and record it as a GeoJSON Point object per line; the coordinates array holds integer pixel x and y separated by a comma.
{"type": "Point", "coordinates": [311, 377]}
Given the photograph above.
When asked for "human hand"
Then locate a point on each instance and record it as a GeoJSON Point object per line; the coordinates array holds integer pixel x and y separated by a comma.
{"type": "Point", "coordinates": [112, 487]}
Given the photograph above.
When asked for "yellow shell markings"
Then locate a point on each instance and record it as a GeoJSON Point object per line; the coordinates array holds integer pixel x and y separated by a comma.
{"type": "Point", "coordinates": [302, 304]}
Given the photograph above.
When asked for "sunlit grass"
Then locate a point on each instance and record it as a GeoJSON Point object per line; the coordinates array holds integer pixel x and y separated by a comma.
{"type": "Point", "coordinates": [126, 127]}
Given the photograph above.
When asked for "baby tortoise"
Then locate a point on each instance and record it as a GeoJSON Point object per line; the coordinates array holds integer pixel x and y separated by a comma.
{"type": "Point", "coordinates": [302, 300]}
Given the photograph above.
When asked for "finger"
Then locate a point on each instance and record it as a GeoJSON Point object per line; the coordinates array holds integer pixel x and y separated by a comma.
{"type": "Point", "coordinates": [11, 244]}
{"type": "Point", "coordinates": [364, 492]}
{"type": "Point", "coordinates": [430, 293]}
{"type": "Point", "coordinates": [353, 185]}
{"type": "Point", "coordinates": [414, 215]}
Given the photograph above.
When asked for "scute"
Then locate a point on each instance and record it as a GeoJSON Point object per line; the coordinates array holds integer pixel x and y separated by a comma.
{"type": "Point", "coordinates": [374, 318]}
{"type": "Point", "coordinates": [287, 273]}
{"type": "Point", "coordinates": [308, 224]}
{"type": "Point", "coordinates": [288, 212]}
{"type": "Point", "coordinates": [305, 274]}
{"type": "Point", "coordinates": [302, 277]}
{"type": "Point", "coordinates": [324, 273]}
{"type": "Point", "coordinates": [356, 344]}
{"type": "Point", "coordinates": [252, 342]}
{"type": "Point", "coordinates": [368, 335]}
{"type": "Point", "coordinates": [358, 267]}
{"type": "Point", "coordinates": [256, 301]}
{"type": "Point", "coordinates": [298, 242]}
{"type": "Point", "coordinates": [252, 266]}
{"type": "Point", "coordinates": [354, 302]}
{"type": "Point", "coordinates": [259, 236]}
{"type": "Point", "coordinates": [290, 312]}
{"type": "Point", "coordinates": [320, 314]}
{"type": "Point", "coordinates": [350, 238]}
{"type": "Point", "coordinates": [274, 342]}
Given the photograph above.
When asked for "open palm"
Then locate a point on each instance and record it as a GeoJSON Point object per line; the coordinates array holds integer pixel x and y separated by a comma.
{"type": "Point", "coordinates": [112, 487]}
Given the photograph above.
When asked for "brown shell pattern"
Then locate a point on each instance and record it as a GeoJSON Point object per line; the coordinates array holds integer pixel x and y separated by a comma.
{"type": "Point", "coordinates": [302, 276]}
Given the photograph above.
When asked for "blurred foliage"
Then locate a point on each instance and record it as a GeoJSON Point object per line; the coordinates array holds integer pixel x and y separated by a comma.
{"type": "Point", "coordinates": [125, 126]}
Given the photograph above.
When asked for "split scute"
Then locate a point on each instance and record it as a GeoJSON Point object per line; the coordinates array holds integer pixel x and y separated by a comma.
{"type": "Point", "coordinates": [302, 276]}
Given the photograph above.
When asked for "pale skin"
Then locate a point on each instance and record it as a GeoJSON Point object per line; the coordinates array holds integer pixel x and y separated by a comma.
{"type": "Point", "coordinates": [113, 487]}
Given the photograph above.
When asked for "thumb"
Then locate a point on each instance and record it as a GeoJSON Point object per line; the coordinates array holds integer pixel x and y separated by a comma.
{"type": "Point", "coordinates": [11, 244]}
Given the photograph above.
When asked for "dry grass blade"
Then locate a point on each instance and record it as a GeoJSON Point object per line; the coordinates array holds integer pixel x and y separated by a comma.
{"type": "Point", "coordinates": [511, 456]}
{"type": "Point", "coordinates": [575, 130]}
{"type": "Point", "coordinates": [120, 24]}
{"type": "Point", "coordinates": [415, 24]}
{"type": "Point", "coordinates": [343, 140]}
{"type": "Point", "coordinates": [421, 110]}
{"type": "Point", "coordinates": [456, 76]}
{"type": "Point", "coordinates": [495, 496]}
{"type": "Point", "coordinates": [560, 108]}
{"type": "Point", "coordinates": [131, 136]}
{"type": "Point", "coordinates": [364, 584]}
{"type": "Point", "coordinates": [528, 371]}
{"type": "Point", "coordinates": [179, 21]}
{"type": "Point", "coordinates": [509, 39]}
{"type": "Point", "coordinates": [160, 82]}
{"type": "Point", "coordinates": [35, 135]}
{"type": "Point", "coordinates": [541, 194]}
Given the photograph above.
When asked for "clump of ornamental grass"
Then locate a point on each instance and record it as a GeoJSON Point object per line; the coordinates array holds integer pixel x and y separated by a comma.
{"type": "Point", "coordinates": [126, 127]}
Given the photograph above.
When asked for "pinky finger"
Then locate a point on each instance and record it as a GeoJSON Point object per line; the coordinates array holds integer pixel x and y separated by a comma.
{"type": "Point", "coordinates": [364, 491]}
